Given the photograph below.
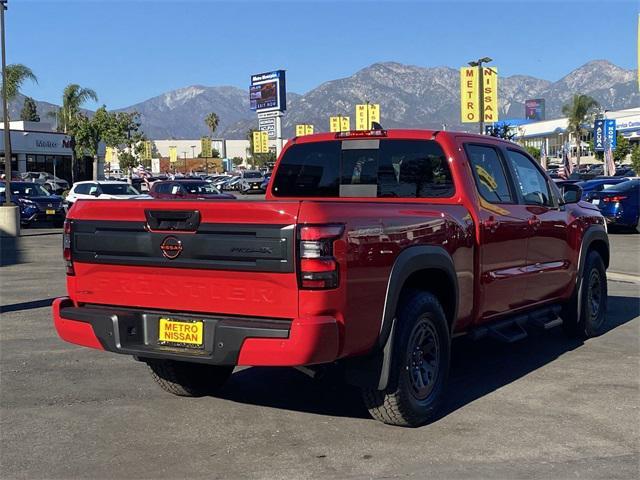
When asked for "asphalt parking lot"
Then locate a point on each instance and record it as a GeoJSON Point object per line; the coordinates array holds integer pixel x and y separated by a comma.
{"type": "Point", "coordinates": [547, 407]}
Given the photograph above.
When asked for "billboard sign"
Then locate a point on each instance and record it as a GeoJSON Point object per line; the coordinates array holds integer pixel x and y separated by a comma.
{"type": "Point", "coordinates": [268, 125]}
{"type": "Point", "coordinates": [268, 92]}
{"type": "Point", "coordinates": [534, 109]}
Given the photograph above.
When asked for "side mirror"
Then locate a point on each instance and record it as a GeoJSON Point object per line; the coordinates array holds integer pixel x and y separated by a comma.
{"type": "Point", "coordinates": [571, 193]}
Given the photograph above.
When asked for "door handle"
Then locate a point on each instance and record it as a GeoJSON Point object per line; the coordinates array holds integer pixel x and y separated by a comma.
{"type": "Point", "coordinates": [535, 222]}
{"type": "Point", "coordinates": [491, 223]}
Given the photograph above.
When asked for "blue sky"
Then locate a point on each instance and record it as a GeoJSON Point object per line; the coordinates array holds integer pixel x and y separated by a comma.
{"type": "Point", "coordinates": [130, 51]}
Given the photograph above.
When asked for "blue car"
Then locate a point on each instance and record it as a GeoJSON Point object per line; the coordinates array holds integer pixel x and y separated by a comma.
{"type": "Point", "coordinates": [591, 187]}
{"type": "Point", "coordinates": [620, 204]}
{"type": "Point", "coordinates": [265, 182]}
{"type": "Point", "coordinates": [36, 203]}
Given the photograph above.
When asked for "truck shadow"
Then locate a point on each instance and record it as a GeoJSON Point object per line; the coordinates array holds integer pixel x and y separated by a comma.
{"type": "Point", "coordinates": [477, 369]}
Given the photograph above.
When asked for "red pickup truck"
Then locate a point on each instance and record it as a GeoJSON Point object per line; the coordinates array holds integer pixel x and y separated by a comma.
{"type": "Point", "coordinates": [371, 251]}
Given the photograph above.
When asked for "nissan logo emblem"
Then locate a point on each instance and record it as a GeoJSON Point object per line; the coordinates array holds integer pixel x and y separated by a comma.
{"type": "Point", "coordinates": [171, 247]}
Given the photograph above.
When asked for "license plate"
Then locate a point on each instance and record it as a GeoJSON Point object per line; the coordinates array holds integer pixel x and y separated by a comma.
{"type": "Point", "coordinates": [596, 201]}
{"type": "Point", "coordinates": [254, 186]}
{"type": "Point", "coordinates": [180, 333]}
{"type": "Point", "coordinates": [51, 212]}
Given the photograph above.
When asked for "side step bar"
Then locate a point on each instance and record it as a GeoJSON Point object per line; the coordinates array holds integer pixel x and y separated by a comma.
{"type": "Point", "coordinates": [514, 329]}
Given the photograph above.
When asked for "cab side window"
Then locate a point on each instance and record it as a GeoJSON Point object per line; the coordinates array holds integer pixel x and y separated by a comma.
{"type": "Point", "coordinates": [82, 189]}
{"type": "Point", "coordinates": [529, 180]}
{"type": "Point", "coordinates": [489, 174]}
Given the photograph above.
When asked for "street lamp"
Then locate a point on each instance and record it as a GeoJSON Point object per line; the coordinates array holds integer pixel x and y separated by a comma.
{"type": "Point", "coordinates": [7, 127]}
{"type": "Point", "coordinates": [478, 63]}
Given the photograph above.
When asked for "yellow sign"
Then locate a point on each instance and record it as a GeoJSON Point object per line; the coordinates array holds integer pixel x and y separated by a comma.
{"type": "Point", "coordinates": [205, 147]}
{"type": "Point", "coordinates": [366, 113]}
{"type": "Point", "coordinates": [146, 152]}
{"type": "Point", "coordinates": [490, 92]}
{"type": "Point", "coordinates": [469, 94]}
{"type": "Point", "coordinates": [173, 331]}
{"type": "Point", "coordinates": [108, 155]}
{"type": "Point", "coordinates": [173, 154]}
{"type": "Point", "coordinates": [304, 129]}
{"type": "Point", "coordinates": [469, 108]}
{"type": "Point", "coordinates": [260, 142]}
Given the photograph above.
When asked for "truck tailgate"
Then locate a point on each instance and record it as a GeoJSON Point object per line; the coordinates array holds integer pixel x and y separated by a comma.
{"type": "Point", "coordinates": [238, 259]}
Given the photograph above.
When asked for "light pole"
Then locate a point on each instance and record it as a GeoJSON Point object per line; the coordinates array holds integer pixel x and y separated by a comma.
{"type": "Point", "coordinates": [184, 157]}
{"type": "Point", "coordinates": [7, 127]}
{"type": "Point", "coordinates": [478, 63]}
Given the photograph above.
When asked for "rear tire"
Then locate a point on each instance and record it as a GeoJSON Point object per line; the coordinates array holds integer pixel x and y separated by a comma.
{"type": "Point", "coordinates": [419, 365]}
{"type": "Point", "coordinates": [585, 315]}
{"type": "Point", "coordinates": [187, 379]}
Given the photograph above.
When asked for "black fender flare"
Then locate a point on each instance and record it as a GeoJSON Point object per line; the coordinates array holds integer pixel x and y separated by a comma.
{"type": "Point", "coordinates": [373, 370]}
{"type": "Point", "coordinates": [591, 234]}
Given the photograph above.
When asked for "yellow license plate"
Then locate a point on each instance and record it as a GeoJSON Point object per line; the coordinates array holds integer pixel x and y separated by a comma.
{"type": "Point", "coordinates": [179, 332]}
{"type": "Point", "coordinates": [51, 212]}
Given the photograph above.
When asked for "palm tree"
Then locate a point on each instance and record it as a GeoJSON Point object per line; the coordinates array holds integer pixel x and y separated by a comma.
{"type": "Point", "coordinates": [73, 97]}
{"type": "Point", "coordinates": [212, 120]}
{"type": "Point", "coordinates": [579, 112]}
{"type": "Point", "coordinates": [17, 74]}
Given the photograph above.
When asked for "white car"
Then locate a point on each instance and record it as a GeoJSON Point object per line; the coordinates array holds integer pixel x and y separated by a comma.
{"type": "Point", "coordinates": [103, 190]}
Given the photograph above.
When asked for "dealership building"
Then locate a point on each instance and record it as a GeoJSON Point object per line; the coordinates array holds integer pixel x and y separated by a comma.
{"type": "Point", "coordinates": [553, 133]}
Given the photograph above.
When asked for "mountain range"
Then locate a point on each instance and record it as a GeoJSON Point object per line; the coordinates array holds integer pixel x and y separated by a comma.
{"type": "Point", "coordinates": [409, 96]}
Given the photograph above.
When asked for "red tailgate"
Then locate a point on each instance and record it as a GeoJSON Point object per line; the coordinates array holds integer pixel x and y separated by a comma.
{"type": "Point", "coordinates": [238, 259]}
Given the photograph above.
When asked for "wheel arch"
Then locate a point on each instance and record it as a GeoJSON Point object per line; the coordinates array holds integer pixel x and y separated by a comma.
{"type": "Point", "coordinates": [427, 268]}
{"type": "Point", "coordinates": [594, 238]}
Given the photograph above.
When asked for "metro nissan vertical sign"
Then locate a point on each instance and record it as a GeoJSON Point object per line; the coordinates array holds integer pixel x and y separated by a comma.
{"type": "Point", "coordinates": [469, 108]}
{"type": "Point", "coordinates": [469, 90]}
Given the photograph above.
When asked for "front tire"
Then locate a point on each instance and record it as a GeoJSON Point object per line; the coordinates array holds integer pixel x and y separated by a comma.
{"type": "Point", "coordinates": [187, 379]}
{"type": "Point", "coordinates": [585, 315]}
{"type": "Point", "coordinates": [419, 365]}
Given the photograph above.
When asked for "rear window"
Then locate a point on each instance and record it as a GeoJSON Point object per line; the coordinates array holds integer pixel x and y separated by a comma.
{"type": "Point", "coordinates": [118, 189]}
{"type": "Point", "coordinates": [364, 168]}
{"type": "Point", "coordinates": [624, 186]}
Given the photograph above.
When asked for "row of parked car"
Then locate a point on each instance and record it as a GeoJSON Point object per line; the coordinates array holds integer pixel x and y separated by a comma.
{"type": "Point", "coordinates": [618, 198]}
{"type": "Point", "coordinates": [37, 202]}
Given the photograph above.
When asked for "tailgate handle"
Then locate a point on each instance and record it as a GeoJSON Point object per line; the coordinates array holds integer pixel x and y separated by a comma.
{"type": "Point", "coordinates": [173, 220]}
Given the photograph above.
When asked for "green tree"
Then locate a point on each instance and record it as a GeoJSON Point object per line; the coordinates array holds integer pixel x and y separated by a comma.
{"type": "Point", "coordinates": [212, 120]}
{"type": "Point", "coordinates": [29, 111]}
{"type": "Point", "coordinates": [579, 112]}
{"type": "Point", "coordinates": [533, 151]}
{"type": "Point", "coordinates": [17, 74]}
{"type": "Point", "coordinates": [635, 159]}
{"type": "Point", "coordinates": [623, 148]}
{"type": "Point", "coordinates": [236, 161]}
{"type": "Point", "coordinates": [73, 98]}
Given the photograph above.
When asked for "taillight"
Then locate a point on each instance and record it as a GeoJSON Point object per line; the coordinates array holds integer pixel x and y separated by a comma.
{"type": "Point", "coordinates": [318, 266]}
{"type": "Point", "coordinates": [66, 246]}
{"type": "Point", "coordinates": [617, 198]}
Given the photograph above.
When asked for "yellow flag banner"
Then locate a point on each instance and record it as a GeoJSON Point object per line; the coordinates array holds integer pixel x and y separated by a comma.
{"type": "Point", "coordinates": [205, 147]}
{"type": "Point", "coordinates": [173, 154]}
{"type": "Point", "coordinates": [469, 108]}
{"type": "Point", "coordinates": [334, 124]}
{"type": "Point", "coordinates": [108, 155]}
{"type": "Point", "coordinates": [264, 141]}
{"type": "Point", "coordinates": [308, 129]}
{"type": "Point", "coordinates": [365, 114]}
{"type": "Point", "coordinates": [345, 124]}
{"type": "Point", "coordinates": [490, 92]}
{"type": "Point", "coordinates": [339, 123]}
{"type": "Point", "coordinates": [300, 130]}
{"type": "Point", "coordinates": [257, 142]}
{"type": "Point", "coordinates": [147, 150]}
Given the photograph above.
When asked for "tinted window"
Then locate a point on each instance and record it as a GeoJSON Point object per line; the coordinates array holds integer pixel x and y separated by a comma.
{"type": "Point", "coordinates": [29, 190]}
{"type": "Point", "coordinates": [163, 187]}
{"type": "Point", "coordinates": [118, 189]}
{"type": "Point", "coordinates": [200, 187]}
{"type": "Point", "coordinates": [489, 174]}
{"type": "Point", "coordinates": [531, 183]}
{"type": "Point", "coordinates": [252, 174]}
{"type": "Point", "coordinates": [82, 189]}
{"type": "Point", "coordinates": [384, 168]}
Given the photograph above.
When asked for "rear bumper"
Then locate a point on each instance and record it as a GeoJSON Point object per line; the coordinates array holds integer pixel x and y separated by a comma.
{"type": "Point", "coordinates": [227, 340]}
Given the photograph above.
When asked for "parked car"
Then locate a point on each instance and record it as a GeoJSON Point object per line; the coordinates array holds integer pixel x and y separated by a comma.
{"type": "Point", "coordinates": [620, 204]}
{"type": "Point", "coordinates": [265, 183]}
{"type": "Point", "coordinates": [251, 181]}
{"type": "Point", "coordinates": [103, 190]}
{"type": "Point", "coordinates": [191, 189]}
{"type": "Point", "coordinates": [231, 183]}
{"type": "Point", "coordinates": [36, 203]}
{"type": "Point", "coordinates": [591, 187]}
{"type": "Point", "coordinates": [47, 180]}
{"type": "Point", "coordinates": [371, 251]}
